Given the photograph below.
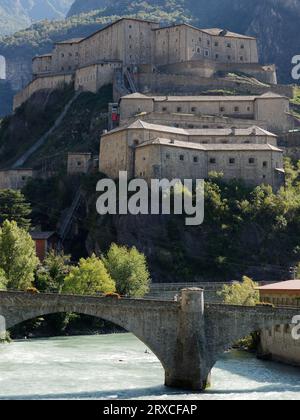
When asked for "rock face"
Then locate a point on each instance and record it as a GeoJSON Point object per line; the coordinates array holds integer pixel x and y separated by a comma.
{"type": "Point", "coordinates": [18, 14]}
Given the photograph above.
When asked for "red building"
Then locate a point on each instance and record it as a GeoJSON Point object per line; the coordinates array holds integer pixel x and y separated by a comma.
{"type": "Point", "coordinates": [44, 242]}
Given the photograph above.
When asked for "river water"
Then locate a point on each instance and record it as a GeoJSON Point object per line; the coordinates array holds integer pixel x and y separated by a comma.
{"type": "Point", "coordinates": [117, 367]}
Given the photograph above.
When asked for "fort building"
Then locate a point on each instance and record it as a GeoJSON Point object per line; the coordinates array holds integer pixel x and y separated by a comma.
{"type": "Point", "coordinates": [270, 109]}
{"type": "Point", "coordinates": [149, 150]}
{"type": "Point", "coordinates": [277, 343]}
{"type": "Point", "coordinates": [15, 179]}
{"type": "Point", "coordinates": [79, 163]}
{"type": "Point", "coordinates": [143, 47]}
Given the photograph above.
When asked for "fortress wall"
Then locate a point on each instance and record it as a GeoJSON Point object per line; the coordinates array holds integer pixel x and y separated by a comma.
{"type": "Point", "coordinates": [41, 83]}
{"type": "Point", "coordinates": [195, 121]}
{"type": "Point", "coordinates": [163, 161]}
{"type": "Point", "coordinates": [172, 84]}
{"type": "Point", "coordinates": [92, 78]}
{"type": "Point", "coordinates": [15, 179]}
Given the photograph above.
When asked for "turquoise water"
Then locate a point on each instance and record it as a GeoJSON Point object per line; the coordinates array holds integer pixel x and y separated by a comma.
{"type": "Point", "coordinates": [117, 366]}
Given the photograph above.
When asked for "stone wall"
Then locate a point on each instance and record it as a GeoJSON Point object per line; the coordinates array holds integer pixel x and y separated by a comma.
{"type": "Point", "coordinates": [15, 179]}
{"type": "Point", "coordinates": [172, 84]}
{"type": "Point", "coordinates": [93, 77]}
{"type": "Point", "coordinates": [254, 166]}
{"type": "Point", "coordinates": [41, 83]}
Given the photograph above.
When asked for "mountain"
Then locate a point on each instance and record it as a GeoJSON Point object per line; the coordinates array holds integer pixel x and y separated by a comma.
{"type": "Point", "coordinates": [274, 22]}
{"type": "Point", "coordinates": [18, 14]}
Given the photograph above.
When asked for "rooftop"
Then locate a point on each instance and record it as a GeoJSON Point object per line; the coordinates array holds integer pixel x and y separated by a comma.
{"type": "Point", "coordinates": [208, 147]}
{"type": "Point", "coordinates": [211, 31]}
{"type": "Point", "coordinates": [139, 124]}
{"type": "Point", "coordinates": [284, 285]}
{"type": "Point", "coordinates": [70, 41]}
{"type": "Point", "coordinates": [203, 98]}
{"type": "Point", "coordinates": [41, 235]}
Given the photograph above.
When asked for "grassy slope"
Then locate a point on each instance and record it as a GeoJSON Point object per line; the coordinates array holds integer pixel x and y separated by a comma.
{"type": "Point", "coordinates": [80, 130]}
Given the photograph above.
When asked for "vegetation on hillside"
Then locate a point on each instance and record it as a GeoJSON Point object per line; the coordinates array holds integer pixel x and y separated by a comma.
{"type": "Point", "coordinates": [80, 131]}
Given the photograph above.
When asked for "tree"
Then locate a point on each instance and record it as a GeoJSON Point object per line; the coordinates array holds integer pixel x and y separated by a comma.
{"type": "Point", "coordinates": [3, 280]}
{"type": "Point", "coordinates": [128, 268]}
{"type": "Point", "coordinates": [17, 256]}
{"type": "Point", "coordinates": [13, 206]}
{"type": "Point", "coordinates": [89, 277]}
{"type": "Point", "coordinates": [51, 275]}
{"type": "Point", "coordinates": [244, 293]}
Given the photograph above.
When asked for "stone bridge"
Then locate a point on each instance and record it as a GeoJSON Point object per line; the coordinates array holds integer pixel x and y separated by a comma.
{"type": "Point", "coordinates": [187, 336]}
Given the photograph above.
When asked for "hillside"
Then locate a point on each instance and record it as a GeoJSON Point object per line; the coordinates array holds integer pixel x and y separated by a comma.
{"type": "Point", "coordinates": [18, 14]}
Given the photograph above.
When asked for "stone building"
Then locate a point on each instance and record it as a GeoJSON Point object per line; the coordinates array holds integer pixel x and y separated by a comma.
{"type": "Point", "coordinates": [147, 150]}
{"type": "Point", "coordinates": [15, 179]}
{"type": "Point", "coordinates": [181, 43]}
{"type": "Point", "coordinates": [277, 343]}
{"type": "Point", "coordinates": [134, 44]}
{"type": "Point", "coordinates": [270, 109]}
{"type": "Point", "coordinates": [255, 164]}
{"type": "Point", "coordinates": [79, 163]}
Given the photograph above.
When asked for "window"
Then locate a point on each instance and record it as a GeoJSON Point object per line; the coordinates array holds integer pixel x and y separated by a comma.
{"type": "Point", "coordinates": [136, 142]}
{"type": "Point", "coordinates": [206, 53]}
{"type": "Point", "coordinates": [167, 156]}
{"type": "Point", "coordinates": [231, 161]}
{"type": "Point", "coordinates": [208, 42]}
{"type": "Point", "coordinates": [130, 37]}
{"type": "Point", "coordinates": [217, 56]}
{"type": "Point", "coordinates": [229, 57]}
{"type": "Point", "coordinates": [228, 45]}
{"type": "Point", "coordinates": [198, 50]}
{"type": "Point", "coordinates": [130, 26]}
{"type": "Point", "coordinates": [164, 109]}
{"type": "Point", "coordinates": [194, 109]}
{"type": "Point", "coordinates": [179, 109]}
{"type": "Point", "coordinates": [195, 159]}
{"type": "Point", "coordinates": [78, 163]}
{"type": "Point", "coordinates": [212, 161]}
{"type": "Point", "coordinates": [242, 46]}
{"type": "Point", "coordinates": [236, 109]}
{"type": "Point", "coordinates": [242, 58]}
{"type": "Point", "coordinates": [181, 157]}
{"type": "Point", "coordinates": [191, 126]}
{"type": "Point", "coordinates": [62, 69]}
{"type": "Point", "coordinates": [248, 108]}
{"type": "Point", "coordinates": [251, 161]}
{"type": "Point", "coordinates": [62, 54]}
{"type": "Point", "coordinates": [216, 44]}
{"type": "Point", "coordinates": [205, 126]}
{"type": "Point", "coordinates": [200, 39]}
{"type": "Point", "coordinates": [222, 109]}
{"type": "Point", "coordinates": [265, 164]}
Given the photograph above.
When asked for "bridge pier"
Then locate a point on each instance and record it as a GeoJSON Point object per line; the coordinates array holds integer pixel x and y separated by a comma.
{"type": "Point", "coordinates": [189, 368]}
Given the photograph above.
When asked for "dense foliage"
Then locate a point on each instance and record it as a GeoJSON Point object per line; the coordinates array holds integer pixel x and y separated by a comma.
{"type": "Point", "coordinates": [89, 277]}
{"type": "Point", "coordinates": [128, 267]}
{"type": "Point", "coordinates": [13, 206]}
{"type": "Point", "coordinates": [17, 256]}
{"type": "Point", "coordinates": [244, 293]}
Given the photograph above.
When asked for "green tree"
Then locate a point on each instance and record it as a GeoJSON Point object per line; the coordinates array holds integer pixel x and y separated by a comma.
{"type": "Point", "coordinates": [89, 277]}
{"type": "Point", "coordinates": [13, 206]}
{"type": "Point", "coordinates": [51, 274]}
{"type": "Point", "coordinates": [128, 268]}
{"type": "Point", "coordinates": [3, 280]}
{"type": "Point", "coordinates": [17, 256]}
{"type": "Point", "coordinates": [244, 293]}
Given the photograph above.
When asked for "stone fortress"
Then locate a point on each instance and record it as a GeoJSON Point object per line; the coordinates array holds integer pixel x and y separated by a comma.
{"type": "Point", "coordinates": [149, 53]}
{"type": "Point", "coordinates": [171, 129]}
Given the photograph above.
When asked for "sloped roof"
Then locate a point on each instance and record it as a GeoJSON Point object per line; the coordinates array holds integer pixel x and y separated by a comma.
{"type": "Point", "coordinates": [283, 285]}
{"type": "Point", "coordinates": [210, 31]}
{"type": "Point", "coordinates": [139, 124]}
{"type": "Point", "coordinates": [209, 147]}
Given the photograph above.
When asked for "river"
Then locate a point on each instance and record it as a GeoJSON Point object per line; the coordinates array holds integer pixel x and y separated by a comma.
{"type": "Point", "coordinates": [117, 367]}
